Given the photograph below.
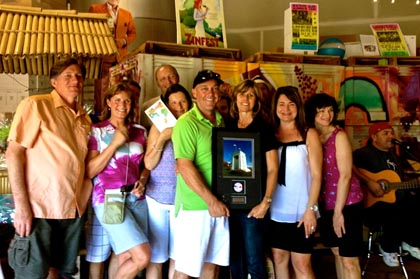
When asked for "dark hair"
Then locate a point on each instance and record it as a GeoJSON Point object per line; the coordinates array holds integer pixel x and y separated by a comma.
{"type": "Point", "coordinates": [175, 88]}
{"type": "Point", "coordinates": [134, 84]}
{"type": "Point", "coordinates": [292, 93]}
{"type": "Point", "coordinates": [242, 87]}
{"type": "Point", "coordinates": [61, 65]}
{"type": "Point", "coordinates": [111, 92]}
{"type": "Point", "coordinates": [316, 102]}
{"type": "Point", "coordinates": [227, 98]}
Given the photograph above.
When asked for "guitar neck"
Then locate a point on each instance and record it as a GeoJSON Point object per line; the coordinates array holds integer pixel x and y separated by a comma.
{"type": "Point", "coordinates": [389, 181]}
{"type": "Point", "coordinates": [411, 184]}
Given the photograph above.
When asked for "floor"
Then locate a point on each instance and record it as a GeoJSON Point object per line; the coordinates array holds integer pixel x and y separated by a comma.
{"type": "Point", "coordinates": [323, 264]}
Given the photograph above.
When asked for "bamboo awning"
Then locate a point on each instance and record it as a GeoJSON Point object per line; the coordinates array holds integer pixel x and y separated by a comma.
{"type": "Point", "coordinates": [32, 39]}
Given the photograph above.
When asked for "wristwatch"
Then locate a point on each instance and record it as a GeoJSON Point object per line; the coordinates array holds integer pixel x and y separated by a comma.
{"type": "Point", "coordinates": [313, 207]}
{"type": "Point", "coordinates": [269, 200]}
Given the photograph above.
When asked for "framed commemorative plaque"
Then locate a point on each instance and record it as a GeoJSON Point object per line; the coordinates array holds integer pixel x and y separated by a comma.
{"type": "Point", "coordinates": [236, 168]}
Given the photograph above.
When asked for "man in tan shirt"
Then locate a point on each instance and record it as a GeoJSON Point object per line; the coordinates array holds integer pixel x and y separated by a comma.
{"type": "Point", "coordinates": [47, 147]}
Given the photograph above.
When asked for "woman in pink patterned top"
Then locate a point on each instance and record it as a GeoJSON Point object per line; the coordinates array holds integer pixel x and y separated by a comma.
{"type": "Point", "coordinates": [116, 150]}
{"type": "Point", "coordinates": [341, 223]}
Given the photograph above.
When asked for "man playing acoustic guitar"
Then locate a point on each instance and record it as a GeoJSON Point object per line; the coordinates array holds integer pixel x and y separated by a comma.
{"type": "Point", "coordinates": [390, 204]}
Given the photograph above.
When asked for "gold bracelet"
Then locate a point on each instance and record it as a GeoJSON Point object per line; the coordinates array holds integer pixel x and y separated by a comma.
{"type": "Point", "coordinates": [157, 149]}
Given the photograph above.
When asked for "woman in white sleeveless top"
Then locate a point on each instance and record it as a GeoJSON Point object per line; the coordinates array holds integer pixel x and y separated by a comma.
{"type": "Point", "coordinates": [294, 209]}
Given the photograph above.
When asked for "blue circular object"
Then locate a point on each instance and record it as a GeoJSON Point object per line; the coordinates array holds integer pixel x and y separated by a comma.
{"type": "Point", "coordinates": [332, 46]}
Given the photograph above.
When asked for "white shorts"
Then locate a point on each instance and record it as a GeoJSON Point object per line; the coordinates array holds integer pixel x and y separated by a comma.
{"type": "Point", "coordinates": [161, 230]}
{"type": "Point", "coordinates": [200, 238]}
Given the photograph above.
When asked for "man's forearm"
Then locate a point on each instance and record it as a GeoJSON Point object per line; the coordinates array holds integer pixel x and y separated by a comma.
{"type": "Point", "coordinates": [16, 160]}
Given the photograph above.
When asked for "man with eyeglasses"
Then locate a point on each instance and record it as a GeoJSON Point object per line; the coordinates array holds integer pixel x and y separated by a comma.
{"type": "Point", "coordinates": [201, 235]}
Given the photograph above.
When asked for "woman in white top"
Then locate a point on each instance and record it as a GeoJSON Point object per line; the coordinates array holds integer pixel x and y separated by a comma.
{"type": "Point", "coordinates": [294, 208]}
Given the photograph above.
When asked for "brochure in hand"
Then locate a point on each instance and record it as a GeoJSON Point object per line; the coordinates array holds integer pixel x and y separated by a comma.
{"type": "Point", "coordinates": [160, 115]}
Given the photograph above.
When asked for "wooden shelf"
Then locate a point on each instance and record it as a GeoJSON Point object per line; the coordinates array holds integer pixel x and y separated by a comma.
{"type": "Point", "coordinates": [382, 61]}
{"type": "Point", "coordinates": [278, 57]}
{"type": "Point", "coordinates": [173, 49]}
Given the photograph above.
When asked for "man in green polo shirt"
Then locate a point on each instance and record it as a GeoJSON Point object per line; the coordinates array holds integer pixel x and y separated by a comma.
{"type": "Point", "coordinates": [201, 235]}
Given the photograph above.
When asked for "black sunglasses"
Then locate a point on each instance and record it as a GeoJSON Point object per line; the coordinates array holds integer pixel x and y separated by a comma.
{"type": "Point", "coordinates": [207, 74]}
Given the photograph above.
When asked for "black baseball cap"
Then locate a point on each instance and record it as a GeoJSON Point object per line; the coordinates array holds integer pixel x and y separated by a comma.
{"type": "Point", "coordinates": [206, 75]}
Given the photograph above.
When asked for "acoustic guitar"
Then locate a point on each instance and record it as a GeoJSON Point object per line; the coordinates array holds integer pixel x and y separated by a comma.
{"type": "Point", "coordinates": [390, 181]}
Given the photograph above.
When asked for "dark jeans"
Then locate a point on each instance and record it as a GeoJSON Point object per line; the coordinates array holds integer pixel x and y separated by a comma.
{"type": "Point", "coordinates": [247, 247]}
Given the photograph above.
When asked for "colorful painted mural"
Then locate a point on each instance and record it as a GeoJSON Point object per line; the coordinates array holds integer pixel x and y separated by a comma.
{"type": "Point", "coordinates": [366, 94]}
{"type": "Point", "coordinates": [382, 93]}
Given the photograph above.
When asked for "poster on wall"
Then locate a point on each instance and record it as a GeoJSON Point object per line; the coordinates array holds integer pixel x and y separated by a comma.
{"type": "Point", "coordinates": [200, 22]}
{"type": "Point", "coordinates": [390, 39]}
{"type": "Point", "coordinates": [301, 32]}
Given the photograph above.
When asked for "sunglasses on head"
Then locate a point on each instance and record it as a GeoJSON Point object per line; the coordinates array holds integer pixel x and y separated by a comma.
{"type": "Point", "coordinates": [209, 74]}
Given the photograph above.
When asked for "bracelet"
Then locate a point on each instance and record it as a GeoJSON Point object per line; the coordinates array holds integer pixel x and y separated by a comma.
{"type": "Point", "coordinates": [157, 149]}
{"type": "Point", "coordinates": [313, 207]}
{"type": "Point", "coordinates": [268, 199]}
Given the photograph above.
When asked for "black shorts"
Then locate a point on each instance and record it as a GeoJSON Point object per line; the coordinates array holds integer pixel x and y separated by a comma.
{"type": "Point", "coordinates": [351, 244]}
{"type": "Point", "coordinates": [287, 236]}
{"type": "Point", "coordinates": [52, 243]}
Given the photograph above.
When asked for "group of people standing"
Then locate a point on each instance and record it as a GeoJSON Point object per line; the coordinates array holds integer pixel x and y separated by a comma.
{"type": "Point", "coordinates": [59, 162]}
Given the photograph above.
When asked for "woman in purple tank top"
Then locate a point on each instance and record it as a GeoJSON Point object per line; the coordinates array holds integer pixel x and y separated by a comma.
{"type": "Point", "coordinates": [160, 189]}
